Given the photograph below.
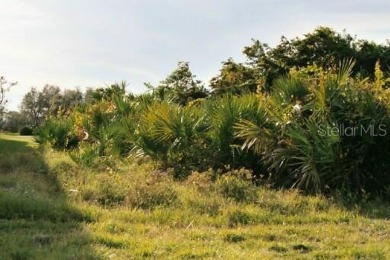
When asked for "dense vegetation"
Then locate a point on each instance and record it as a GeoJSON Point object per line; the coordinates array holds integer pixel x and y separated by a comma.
{"type": "Point", "coordinates": [315, 130]}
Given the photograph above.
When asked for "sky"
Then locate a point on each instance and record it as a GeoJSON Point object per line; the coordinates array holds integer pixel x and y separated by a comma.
{"type": "Point", "coordinates": [94, 43]}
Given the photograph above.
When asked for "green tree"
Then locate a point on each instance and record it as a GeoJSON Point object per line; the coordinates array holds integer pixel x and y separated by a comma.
{"type": "Point", "coordinates": [107, 93]}
{"type": "Point", "coordinates": [180, 86]}
{"type": "Point", "coordinates": [323, 47]}
{"type": "Point", "coordinates": [32, 107]}
{"type": "Point", "coordinates": [39, 105]}
{"type": "Point", "coordinates": [368, 53]}
{"type": "Point", "coordinates": [14, 121]}
{"type": "Point", "coordinates": [49, 100]}
{"type": "Point", "coordinates": [71, 98]}
{"type": "Point", "coordinates": [235, 78]}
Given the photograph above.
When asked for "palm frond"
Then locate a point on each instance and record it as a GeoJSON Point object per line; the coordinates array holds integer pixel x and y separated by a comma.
{"type": "Point", "coordinates": [345, 70]}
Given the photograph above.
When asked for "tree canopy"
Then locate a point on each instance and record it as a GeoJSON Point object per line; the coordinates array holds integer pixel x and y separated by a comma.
{"type": "Point", "coordinates": [38, 105]}
{"type": "Point", "coordinates": [180, 86]}
{"type": "Point", "coordinates": [323, 47]}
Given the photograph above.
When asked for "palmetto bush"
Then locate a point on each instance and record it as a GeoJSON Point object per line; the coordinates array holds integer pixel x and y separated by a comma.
{"type": "Point", "coordinates": [171, 134]}
{"type": "Point", "coordinates": [296, 135]}
{"type": "Point", "coordinates": [57, 133]}
{"type": "Point", "coordinates": [304, 158]}
{"type": "Point", "coordinates": [303, 138]}
{"type": "Point", "coordinates": [197, 136]}
{"type": "Point", "coordinates": [222, 116]}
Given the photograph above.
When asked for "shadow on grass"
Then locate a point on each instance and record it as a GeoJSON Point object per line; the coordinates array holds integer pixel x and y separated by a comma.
{"type": "Point", "coordinates": [369, 207]}
{"type": "Point", "coordinates": [36, 220]}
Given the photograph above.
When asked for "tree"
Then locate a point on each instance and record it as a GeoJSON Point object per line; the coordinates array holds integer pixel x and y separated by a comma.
{"type": "Point", "coordinates": [368, 53]}
{"type": "Point", "coordinates": [49, 99]}
{"type": "Point", "coordinates": [180, 86]}
{"type": "Point", "coordinates": [234, 78]}
{"type": "Point", "coordinates": [71, 98]}
{"type": "Point", "coordinates": [14, 121]}
{"type": "Point", "coordinates": [4, 87]}
{"type": "Point", "coordinates": [32, 107]}
{"type": "Point", "coordinates": [108, 93]}
{"type": "Point", "coordinates": [323, 47]}
{"type": "Point", "coordinates": [39, 105]}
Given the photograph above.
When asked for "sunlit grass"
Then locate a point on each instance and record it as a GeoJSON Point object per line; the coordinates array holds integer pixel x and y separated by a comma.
{"type": "Point", "coordinates": [15, 143]}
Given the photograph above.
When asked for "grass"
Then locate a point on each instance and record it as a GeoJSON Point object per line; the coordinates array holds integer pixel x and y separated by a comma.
{"type": "Point", "coordinates": [36, 219]}
{"type": "Point", "coordinates": [56, 209]}
{"type": "Point", "coordinates": [15, 143]}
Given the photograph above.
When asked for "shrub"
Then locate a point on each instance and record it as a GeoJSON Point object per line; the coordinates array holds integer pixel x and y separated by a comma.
{"type": "Point", "coordinates": [56, 132]}
{"type": "Point", "coordinates": [222, 115]}
{"type": "Point", "coordinates": [26, 131]}
{"type": "Point", "coordinates": [303, 141]}
{"type": "Point", "coordinates": [85, 155]}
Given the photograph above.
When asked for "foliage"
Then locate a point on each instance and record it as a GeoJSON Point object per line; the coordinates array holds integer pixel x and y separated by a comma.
{"type": "Point", "coordinates": [26, 131]}
{"type": "Point", "coordinates": [171, 134]}
{"type": "Point", "coordinates": [323, 47]}
{"type": "Point", "coordinates": [323, 126]}
{"type": "Point", "coordinates": [51, 101]}
{"type": "Point", "coordinates": [234, 78]}
{"type": "Point", "coordinates": [33, 105]}
{"type": "Point", "coordinates": [58, 133]}
{"type": "Point", "coordinates": [294, 136]}
{"type": "Point", "coordinates": [180, 86]}
{"type": "Point", "coordinates": [13, 121]}
{"type": "Point", "coordinates": [85, 155]}
{"type": "Point", "coordinates": [298, 115]}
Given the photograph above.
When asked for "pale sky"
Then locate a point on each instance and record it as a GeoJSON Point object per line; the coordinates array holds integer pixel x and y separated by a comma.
{"type": "Point", "coordinates": [93, 43]}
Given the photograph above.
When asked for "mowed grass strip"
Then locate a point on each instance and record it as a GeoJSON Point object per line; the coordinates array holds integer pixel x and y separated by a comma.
{"type": "Point", "coordinates": [36, 219]}
{"type": "Point", "coordinates": [16, 143]}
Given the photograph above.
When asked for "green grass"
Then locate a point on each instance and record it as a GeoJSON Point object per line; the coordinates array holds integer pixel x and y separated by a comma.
{"type": "Point", "coordinates": [56, 209]}
{"type": "Point", "coordinates": [15, 143]}
{"type": "Point", "coordinates": [36, 219]}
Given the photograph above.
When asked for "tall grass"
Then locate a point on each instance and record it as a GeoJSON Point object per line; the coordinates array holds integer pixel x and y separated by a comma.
{"type": "Point", "coordinates": [133, 210]}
